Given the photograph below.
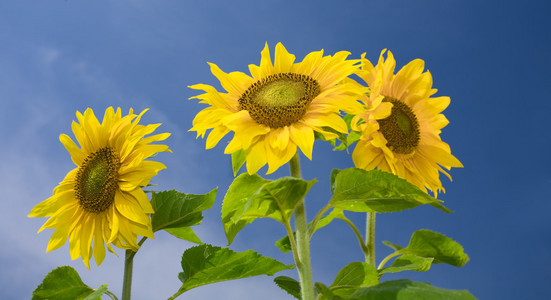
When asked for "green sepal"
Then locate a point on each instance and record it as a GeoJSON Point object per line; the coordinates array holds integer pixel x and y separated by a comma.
{"type": "Point", "coordinates": [250, 197]}
{"type": "Point", "coordinates": [64, 283]}
{"type": "Point", "coordinates": [408, 262]}
{"type": "Point", "coordinates": [430, 244]}
{"type": "Point", "coordinates": [290, 285]}
{"type": "Point", "coordinates": [176, 210]}
{"type": "Point", "coordinates": [377, 191]}
{"type": "Point", "coordinates": [352, 137]}
{"type": "Point", "coordinates": [205, 264]}
{"type": "Point", "coordinates": [404, 289]}
{"type": "Point", "coordinates": [319, 136]}
{"type": "Point", "coordinates": [238, 158]}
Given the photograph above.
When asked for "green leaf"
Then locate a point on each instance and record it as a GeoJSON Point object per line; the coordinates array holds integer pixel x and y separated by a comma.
{"type": "Point", "coordinates": [405, 289]}
{"type": "Point", "coordinates": [96, 295]}
{"type": "Point", "coordinates": [408, 262]}
{"type": "Point", "coordinates": [426, 243]}
{"type": "Point", "coordinates": [184, 233]}
{"type": "Point", "coordinates": [237, 160]}
{"type": "Point", "coordinates": [251, 197]}
{"type": "Point", "coordinates": [206, 264]}
{"type": "Point", "coordinates": [176, 210]}
{"type": "Point", "coordinates": [324, 293]}
{"type": "Point", "coordinates": [288, 284]}
{"type": "Point", "coordinates": [334, 174]}
{"type": "Point", "coordinates": [235, 203]}
{"type": "Point", "coordinates": [376, 191]}
{"type": "Point", "coordinates": [284, 244]}
{"type": "Point", "coordinates": [352, 277]}
{"type": "Point", "coordinates": [64, 283]}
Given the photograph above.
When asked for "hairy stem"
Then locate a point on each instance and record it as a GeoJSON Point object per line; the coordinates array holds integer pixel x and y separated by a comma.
{"type": "Point", "coordinates": [370, 238]}
{"type": "Point", "coordinates": [303, 241]}
{"type": "Point", "coordinates": [127, 277]}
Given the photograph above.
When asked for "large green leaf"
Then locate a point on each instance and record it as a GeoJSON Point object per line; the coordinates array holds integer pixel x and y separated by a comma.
{"type": "Point", "coordinates": [176, 210]}
{"type": "Point", "coordinates": [206, 264]}
{"type": "Point", "coordinates": [290, 285]}
{"type": "Point", "coordinates": [426, 243]}
{"type": "Point", "coordinates": [408, 262]}
{"type": "Point", "coordinates": [64, 283]}
{"type": "Point", "coordinates": [251, 197]}
{"type": "Point", "coordinates": [405, 289]}
{"type": "Point", "coordinates": [377, 191]}
{"type": "Point", "coordinates": [353, 276]}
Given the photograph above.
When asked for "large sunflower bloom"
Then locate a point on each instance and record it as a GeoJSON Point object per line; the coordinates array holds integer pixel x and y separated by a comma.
{"type": "Point", "coordinates": [278, 107]}
{"type": "Point", "coordinates": [401, 124]}
{"type": "Point", "coordinates": [101, 201]}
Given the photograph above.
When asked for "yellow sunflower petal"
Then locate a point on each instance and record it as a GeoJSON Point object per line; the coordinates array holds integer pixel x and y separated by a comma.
{"type": "Point", "coordinates": [303, 136]}
{"type": "Point", "coordinates": [283, 60]}
{"type": "Point", "coordinates": [266, 67]}
{"type": "Point", "coordinates": [128, 207]}
{"type": "Point", "coordinates": [99, 246]}
{"type": "Point", "coordinates": [58, 239]}
{"type": "Point", "coordinates": [256, 157]}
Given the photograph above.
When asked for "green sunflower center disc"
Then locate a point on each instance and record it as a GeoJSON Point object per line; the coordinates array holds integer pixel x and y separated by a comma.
{"type": "Point", "coordinates": [401, 128]}
{"type": "Point", "coordinates": [97, 180]}
{"type": "Point", "coordinates": [280, 99]}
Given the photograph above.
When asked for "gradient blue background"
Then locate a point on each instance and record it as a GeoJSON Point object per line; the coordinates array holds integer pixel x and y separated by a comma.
{"type": "Point", "coordinates": [491, 57]}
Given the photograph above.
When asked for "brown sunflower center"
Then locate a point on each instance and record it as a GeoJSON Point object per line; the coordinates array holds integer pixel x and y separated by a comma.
{"type": "Point", "coordinates": [280, 99]}
{"type": "Point", "coordinates": [97, 180]}
{"type": "Point", "coordinates": [401, 128]}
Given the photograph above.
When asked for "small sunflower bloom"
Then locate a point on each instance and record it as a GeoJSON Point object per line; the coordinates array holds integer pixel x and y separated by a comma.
{"type": "Point", "coordinates": [401, 124]}
{"type": "Point", "coordinates": [101, 201]}
{"type": "Point", "coordinates": [279, 106]}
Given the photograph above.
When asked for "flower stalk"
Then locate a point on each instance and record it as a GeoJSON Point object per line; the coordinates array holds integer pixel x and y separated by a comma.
{"type": "Point", "coordinates": [127, 277]}
{"type": "Point", "coordinates": [370, 238]}
{"type": "Point", "coordinates": [128, 265]}
{"type": "Point", "coordinates": [303, 241]}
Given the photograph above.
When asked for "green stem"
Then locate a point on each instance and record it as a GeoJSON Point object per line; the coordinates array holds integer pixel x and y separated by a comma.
{"type": "Point", "coordinates": [127, 277]}
{"type": "Point", "coordinates": [292, 240]}
{"type": "Point", "coordinates": [382, 264]}
{"type": "Point", "coordinates": [365, 250]}
{"type": "Point", "coordinates": [111, 295]}
{"type": "Point", "coordinates": [312, 228]}
{"type": "Point", "coordinates": [370, 238]}
{"type": "Point", "coordinates": [178, 293]}
{"type": "Point", "coordinates": [303, 242]}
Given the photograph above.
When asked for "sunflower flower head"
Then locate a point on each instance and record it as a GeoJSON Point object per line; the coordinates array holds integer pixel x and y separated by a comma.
{"type": "Point", "coordinates": [101, 201]}
{"type": "Point", "coordinates": [401, 123]}
{"type": "Point", "coordinates": [279, 106]}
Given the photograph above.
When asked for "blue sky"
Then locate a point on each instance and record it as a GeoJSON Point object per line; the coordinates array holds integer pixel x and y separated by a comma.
{"type": "Point", "coordinates": [491, 57]}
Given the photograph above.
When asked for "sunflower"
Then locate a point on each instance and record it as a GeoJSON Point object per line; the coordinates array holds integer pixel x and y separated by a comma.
{"type": "Point", "coordinates": [101, 200]}
{"type": "Point", "coordinates": [278, 107]}
{"type": "Point", "coordinates": [401, 124]}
